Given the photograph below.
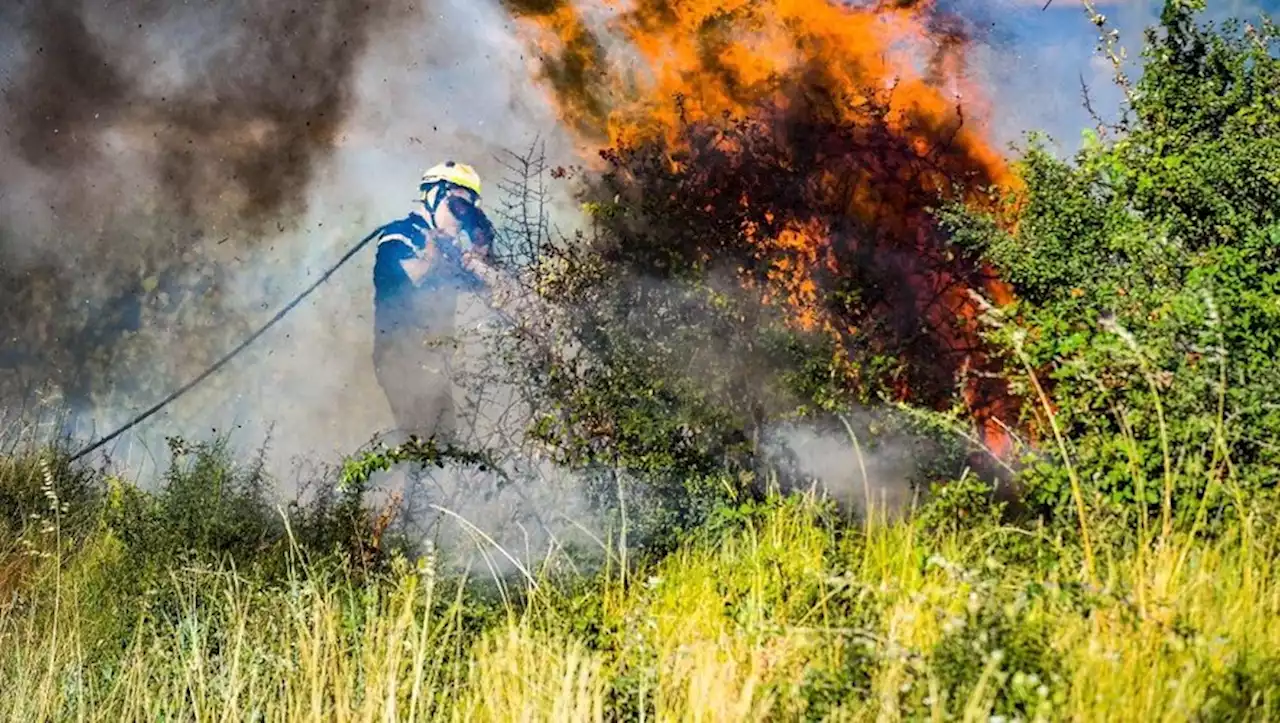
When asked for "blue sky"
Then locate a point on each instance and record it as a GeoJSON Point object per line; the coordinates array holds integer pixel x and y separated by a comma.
{"type": "Point", "coordinates": [1034, 59]}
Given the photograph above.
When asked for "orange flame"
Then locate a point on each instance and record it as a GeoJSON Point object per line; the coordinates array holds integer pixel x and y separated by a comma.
{"type": "Point", "coordinates": [892, 71]}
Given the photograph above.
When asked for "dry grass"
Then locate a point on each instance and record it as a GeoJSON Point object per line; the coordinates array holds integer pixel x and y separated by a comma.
{"type": "Point", "coordinates": [900, 623]}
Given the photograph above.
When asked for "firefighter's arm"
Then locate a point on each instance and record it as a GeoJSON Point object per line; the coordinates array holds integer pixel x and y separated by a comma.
{"type": "Point", "coordinates": [400, 250]}
{"type": "Point", "coordinates": [417, 267]}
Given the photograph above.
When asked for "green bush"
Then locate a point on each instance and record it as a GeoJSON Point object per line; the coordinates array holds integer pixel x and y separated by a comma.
{"type": "Point", "coordinates": [38, 486]}
{"type": "Point", "coordinates": [1148, 285]}
{"type": "Point", "coordinates": [209, 513]}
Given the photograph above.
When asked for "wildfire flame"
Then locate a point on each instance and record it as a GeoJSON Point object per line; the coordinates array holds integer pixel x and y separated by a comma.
{"type": "Point", "coordinates": [849, 128]}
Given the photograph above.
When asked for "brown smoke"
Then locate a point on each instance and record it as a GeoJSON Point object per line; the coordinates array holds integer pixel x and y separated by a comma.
{"type": "Point", "coordinates": [240, 140]}
{"type": "Point", "coordinates": [150, 144]}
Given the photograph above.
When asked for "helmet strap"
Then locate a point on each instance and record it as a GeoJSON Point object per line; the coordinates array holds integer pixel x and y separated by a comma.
{"type": "Point", "coordinates": [433, 204]}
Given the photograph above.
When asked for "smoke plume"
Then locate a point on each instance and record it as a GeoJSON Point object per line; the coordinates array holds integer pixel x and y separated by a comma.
{"type": "Point", "coordinates": [232, 118]}
{"type": "Point", "coordinates": [142, 136]}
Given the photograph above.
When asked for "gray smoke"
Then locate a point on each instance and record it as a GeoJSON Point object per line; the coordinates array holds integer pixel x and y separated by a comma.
{"type": "Point", "coordinates": [152, 148]}
{"type": "Point", "coordinates": [876, 474]}
{"type": "Point", "coordinates": [226, 111]}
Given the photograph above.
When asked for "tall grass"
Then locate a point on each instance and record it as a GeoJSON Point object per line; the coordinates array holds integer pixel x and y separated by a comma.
{"type": "Point", "coordinates": [777, 612]}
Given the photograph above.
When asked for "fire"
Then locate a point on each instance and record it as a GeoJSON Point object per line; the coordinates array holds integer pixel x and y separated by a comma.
{"type": "Point", "coordinates": [826, 131]}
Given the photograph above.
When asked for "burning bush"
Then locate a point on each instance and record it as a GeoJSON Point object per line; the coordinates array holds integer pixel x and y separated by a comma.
{"type": "Point", "coordinates": [800, 146]}
{"type": "Point", "coordinates": [767, 199]}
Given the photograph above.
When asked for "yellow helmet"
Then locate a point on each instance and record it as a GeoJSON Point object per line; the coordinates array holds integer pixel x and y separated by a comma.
{"type": "Point", "coordinates": [458, 174]}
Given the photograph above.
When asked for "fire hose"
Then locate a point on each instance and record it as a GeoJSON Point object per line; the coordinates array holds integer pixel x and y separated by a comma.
{"type": "Point", "coordinates": [213, 369]}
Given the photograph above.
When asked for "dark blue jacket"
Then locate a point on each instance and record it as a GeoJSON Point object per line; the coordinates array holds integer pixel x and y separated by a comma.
{"type": "Point", "coordinates": [400, 307]}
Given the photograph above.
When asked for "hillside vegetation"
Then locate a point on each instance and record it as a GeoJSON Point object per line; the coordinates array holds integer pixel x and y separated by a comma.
{"type": "Point", "coordinates": [1125, 570]}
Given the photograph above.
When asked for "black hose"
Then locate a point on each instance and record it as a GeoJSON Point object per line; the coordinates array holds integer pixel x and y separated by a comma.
{"type": "Point", "coordinates": [231, 354]}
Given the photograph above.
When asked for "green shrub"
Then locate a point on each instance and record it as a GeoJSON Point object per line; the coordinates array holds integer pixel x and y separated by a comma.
{"type": "Point", "coordinates": [35, 487]}
{"type": "Point", "coordinates": [1148, 282]}
{"type": "Point", "coordinates": [1248, 690]}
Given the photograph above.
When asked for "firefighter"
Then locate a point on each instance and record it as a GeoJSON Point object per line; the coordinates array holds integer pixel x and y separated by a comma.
{"type": "Point", "coordinates": [418, 274]}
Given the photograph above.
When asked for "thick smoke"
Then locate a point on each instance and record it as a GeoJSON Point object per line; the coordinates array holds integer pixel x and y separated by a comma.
{"type": "Point", "coordinates": [231, 108]}
{"type": "Point", "coordinates": [142, 137]}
